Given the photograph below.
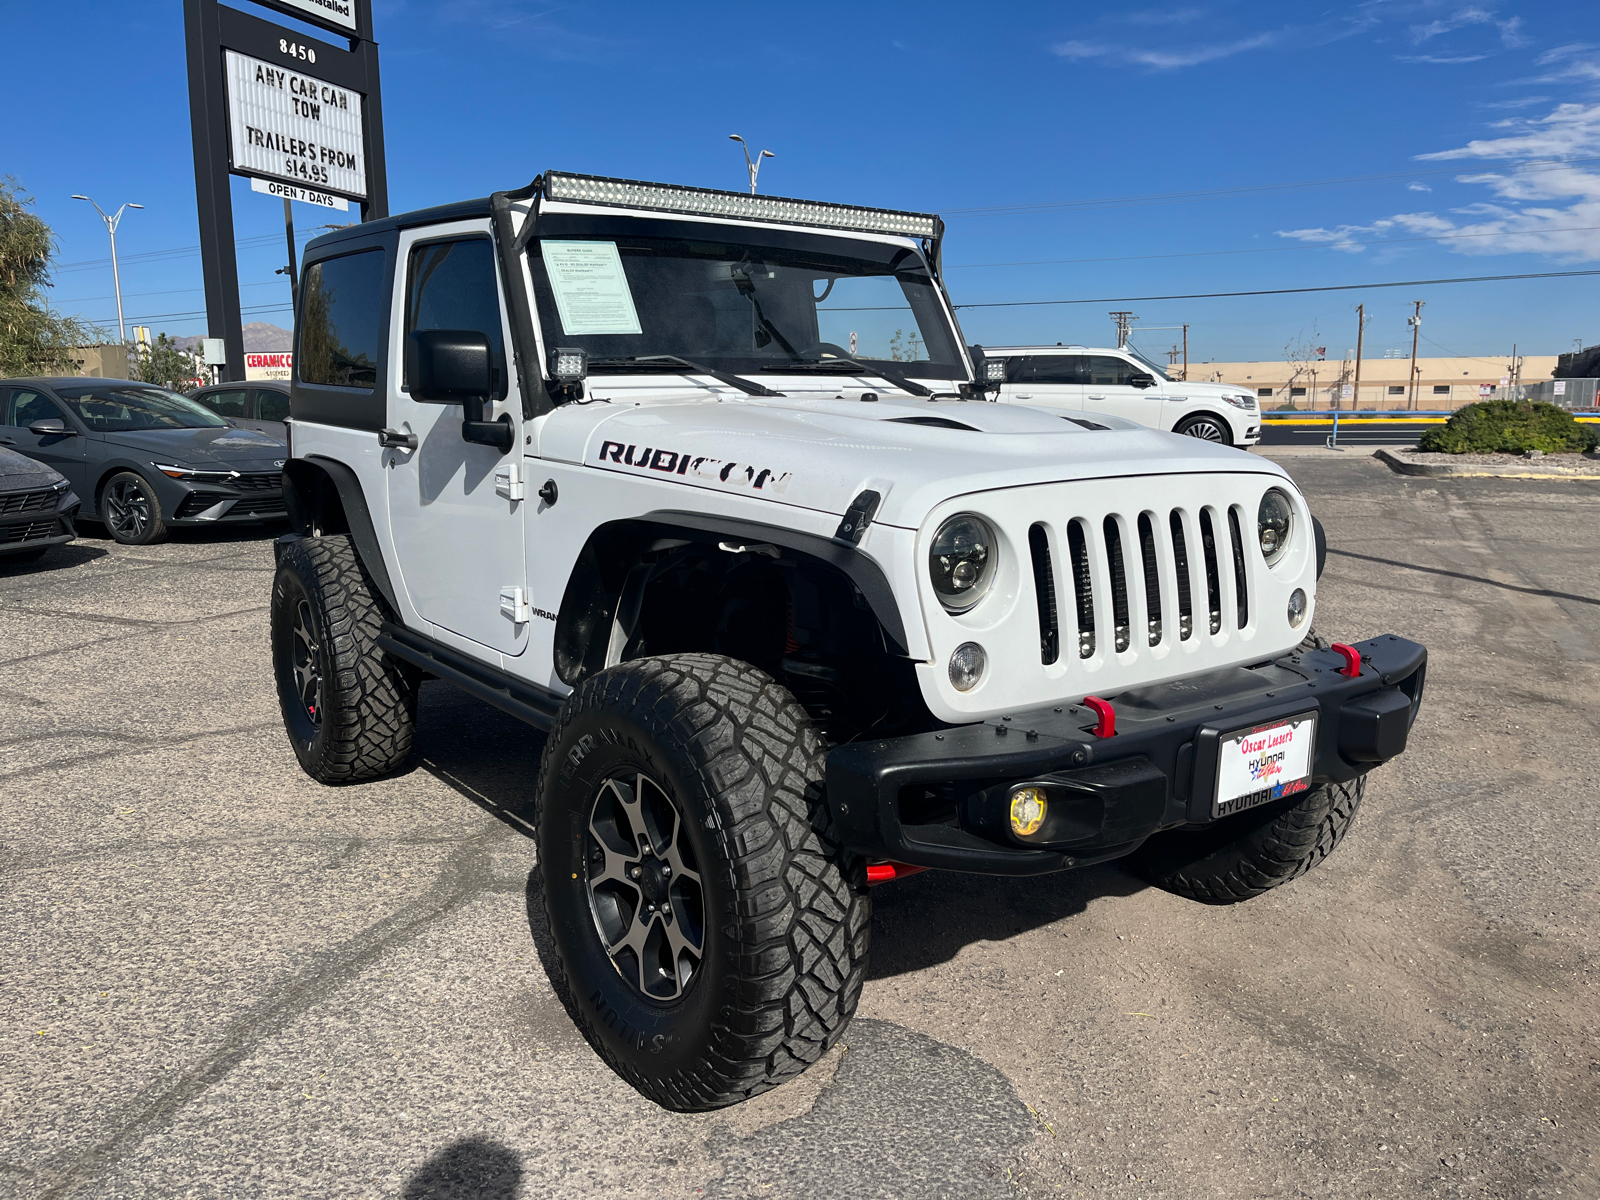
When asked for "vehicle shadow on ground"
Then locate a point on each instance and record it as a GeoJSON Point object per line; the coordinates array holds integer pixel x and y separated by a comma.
{"type": "Point", "coordinates": [483, 754]}
{"type": "Point", "coordinates": [57, 558]}
{"type": "Point", "coordinates": [470, 1169]}
{"type": "Point", "coordinates": [927, 919]}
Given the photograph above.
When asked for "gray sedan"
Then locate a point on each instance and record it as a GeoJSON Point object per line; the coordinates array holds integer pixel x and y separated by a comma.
{"type": "Point", "coordinates": [144, 458]}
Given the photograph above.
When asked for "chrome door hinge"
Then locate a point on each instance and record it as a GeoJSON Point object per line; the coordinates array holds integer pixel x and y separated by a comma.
{"type": "Point", "coordinates": [514, 605]}
{"type": "Point", "coordinates": [508, 481]}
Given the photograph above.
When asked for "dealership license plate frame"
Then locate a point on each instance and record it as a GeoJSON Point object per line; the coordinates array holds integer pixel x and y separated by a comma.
{"type": "Point", "coordinates": [1304, 738]}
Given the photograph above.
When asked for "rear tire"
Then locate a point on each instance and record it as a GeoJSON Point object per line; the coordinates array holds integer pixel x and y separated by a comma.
{"type": "Point", "coordinates": [349, 709]}
{"type": "Point", "coordinates": [1254, 852]}
{"type": "Point", "coordinates": [131, 511]}
{"type": "Point", "coordinates": [749, 967]}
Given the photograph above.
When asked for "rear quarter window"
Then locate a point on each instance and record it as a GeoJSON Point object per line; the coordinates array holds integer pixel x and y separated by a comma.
{"type": "Point", "coordinates": [343, 306]}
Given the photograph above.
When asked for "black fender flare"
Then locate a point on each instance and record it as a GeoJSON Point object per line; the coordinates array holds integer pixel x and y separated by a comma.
{"type": "Point", "coordinates": [1320, 535]}
{"type": "Point", "coordinates": [303, 482]}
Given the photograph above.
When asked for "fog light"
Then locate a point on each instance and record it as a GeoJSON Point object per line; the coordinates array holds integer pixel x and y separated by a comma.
{"type": "Point", "coordinates": [966, 666]}
{"type": "Point", "coordinates": [1027, 811]}
{"type": "Point", "coordinates": [1297, 608]}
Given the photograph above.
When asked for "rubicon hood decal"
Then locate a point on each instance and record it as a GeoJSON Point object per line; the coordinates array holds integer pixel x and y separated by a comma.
{"type": "Point", "coordinates": [700, 467]}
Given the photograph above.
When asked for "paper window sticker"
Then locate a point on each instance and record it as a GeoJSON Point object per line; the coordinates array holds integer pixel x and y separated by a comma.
{"type": "Point", "coordinates": [591, 290]}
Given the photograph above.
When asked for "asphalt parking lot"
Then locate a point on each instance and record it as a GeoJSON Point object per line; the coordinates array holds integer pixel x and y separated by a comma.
{"type": "Point", "coordinates": [220, 979]}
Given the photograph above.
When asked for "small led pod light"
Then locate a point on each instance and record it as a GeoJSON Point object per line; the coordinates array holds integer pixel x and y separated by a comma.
{"type": "Point", "coordinates": [1027, 811]}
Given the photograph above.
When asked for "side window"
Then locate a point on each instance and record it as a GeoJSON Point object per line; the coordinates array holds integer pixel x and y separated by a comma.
{"type": "Point", "coordinates": [452, 285]}
{"type": "Point", "coordinates": [271, 406]}
{"type": "Point", "coordinates": [1045, 368]}
{"type": "Point", "coordinates": [342, 308]}
{"type": "Point", "coordinates": [225, 404]}
{"type": "Point", "coordinates": [25, 407]}
{"type": "Point", "coordinates": [1106, 371]}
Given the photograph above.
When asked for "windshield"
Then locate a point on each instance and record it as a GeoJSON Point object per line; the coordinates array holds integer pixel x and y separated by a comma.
{"type": "Point", "coordinates": [777, 302]}
{"type": "Point", "coordinates": [1159, 372]}
{"type": "Point", "coordinates": [113, 408]}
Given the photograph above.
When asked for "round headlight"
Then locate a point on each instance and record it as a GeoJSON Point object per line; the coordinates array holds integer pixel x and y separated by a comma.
{"type": "Point", "coordinates": [1274, 522]}
{"type": "Point", "coordinates": [1297, 608]}
{"type": "Point", "coordinates": [962, 561]}
{"type": "Point", "coordinates": [966, 666]}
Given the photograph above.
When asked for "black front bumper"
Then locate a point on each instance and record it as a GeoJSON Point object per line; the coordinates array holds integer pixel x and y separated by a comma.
{"type": "Point", "coordinates": [932, 799]}
{"type": "Point", "coordinates": [34, 529]}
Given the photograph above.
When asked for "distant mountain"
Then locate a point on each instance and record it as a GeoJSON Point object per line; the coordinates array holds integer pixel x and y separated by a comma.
{"type": "Point", "coordinates": [259, 337]}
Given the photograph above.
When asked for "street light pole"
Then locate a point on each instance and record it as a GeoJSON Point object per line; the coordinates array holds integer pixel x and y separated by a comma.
{"type": "Point", "coordinates": [116, 275]}
{"type": "Point", "coordinates": [753, 165]}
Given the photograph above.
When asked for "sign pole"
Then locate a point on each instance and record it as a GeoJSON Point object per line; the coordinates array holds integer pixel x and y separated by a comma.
{"type": "Point", "coordinates": [376, 206]}
{"type": "Point", "coordinates": [208, 108]}
{"type": "Point", "coordinates": [288, 232]}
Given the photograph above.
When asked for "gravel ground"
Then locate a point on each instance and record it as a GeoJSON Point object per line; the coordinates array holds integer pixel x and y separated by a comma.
{"type": "Point", "coordinates": [219, 979]}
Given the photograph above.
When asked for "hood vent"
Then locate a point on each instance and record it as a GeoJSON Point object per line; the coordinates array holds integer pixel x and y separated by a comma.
{"type": "Point", "coordinates": [1086, 424]}
{"type": "Point", "coordinates": [936, 423]}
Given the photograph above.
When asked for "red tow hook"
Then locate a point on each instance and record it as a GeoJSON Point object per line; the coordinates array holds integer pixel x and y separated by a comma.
{"type": "Point", "coordinates": [1106, 726]}
{"type": "Point", "coordinates": [888, 872]}
{"type": "Point", "coordinates": [1351, 656]}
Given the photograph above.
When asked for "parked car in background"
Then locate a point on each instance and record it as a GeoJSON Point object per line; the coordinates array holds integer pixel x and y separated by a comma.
{"type": "Point", "coordinates": [37, 505]}
{"type": "Point", "coordinates": [1123, 383]}
{"type": "Point", "coordinates": [143, 458]}
{"type": "Point", "coordinates": [262, 406]}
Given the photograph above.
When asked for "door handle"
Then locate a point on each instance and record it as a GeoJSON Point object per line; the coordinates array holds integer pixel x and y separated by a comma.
{"type": "Point", "coordinates": [393, 438]}
{"type": "Point", "coordinates": [8, 441]}
{"type": "Point", "coordinates": [1022, 395]}
{"type": "Point", "coordinates": [1100, 397]}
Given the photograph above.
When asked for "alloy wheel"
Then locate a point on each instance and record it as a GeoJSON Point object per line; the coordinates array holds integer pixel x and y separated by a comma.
{"type": "Point", "coordinates": [645, 891]}
{"type": "Point", "coordinates": [1206, 431]}
{"type": "Point", "coordinates": [306, 658]}
{"type": "Point", "coordinates": [127, 509]}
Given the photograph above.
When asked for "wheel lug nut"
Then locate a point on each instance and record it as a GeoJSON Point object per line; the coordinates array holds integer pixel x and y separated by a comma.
{"type": "Point", "coordinates": [666, 870]}
{"type": "Point", "coordinates": [666, 910]}
{"type": "Point", "coordinates": [635, 872]}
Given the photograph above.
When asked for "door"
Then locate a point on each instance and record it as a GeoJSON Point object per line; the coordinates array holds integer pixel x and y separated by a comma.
{"type": "Point", "coordinates": [67, 453]}
{"type": "Point", "coordinates": [456, 507]}
{"type": "Point", "coordinates": [1109, 388]}
{"type": "Point", "coordinates": [1045, 380]}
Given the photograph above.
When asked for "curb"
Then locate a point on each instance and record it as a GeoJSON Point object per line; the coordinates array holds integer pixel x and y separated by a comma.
{"type": "Point", "coordinates": [1476, 471]}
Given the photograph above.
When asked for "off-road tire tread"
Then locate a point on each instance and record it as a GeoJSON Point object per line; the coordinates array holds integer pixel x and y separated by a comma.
{"type": "Point", "coordinates": [802, 924]}
{"type": "Point", "coordinates": [369, 700]}
{"type": "Point", "coordinates": [1269, 855]}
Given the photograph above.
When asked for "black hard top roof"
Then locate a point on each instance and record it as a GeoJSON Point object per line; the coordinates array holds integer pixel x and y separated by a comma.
{"type": "Point", "coordinates": [462, 210]}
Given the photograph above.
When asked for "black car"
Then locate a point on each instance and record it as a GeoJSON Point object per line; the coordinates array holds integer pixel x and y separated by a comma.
{"type": "Point", "coordinates": [262, 406]}
{"type": "Point", "coordinates": [144, 458]}
{"type": "Point", "coordinates": [37, 505]}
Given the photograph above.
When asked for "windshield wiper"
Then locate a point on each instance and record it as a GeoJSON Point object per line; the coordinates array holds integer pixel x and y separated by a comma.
{"type": "Point", "coordinates": [860, 368]}
{"type": "Point", "coordinates": [748, 387]}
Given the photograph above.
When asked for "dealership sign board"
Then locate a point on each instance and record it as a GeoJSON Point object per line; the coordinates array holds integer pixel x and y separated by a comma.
{"type": "Point", "coordinates": [290, 126]}
{"type": "Point", "coordinates": [335, 14]}
{"type": "Point", "coordinates": [269, 366]}
{"type": "Point", "coordinates": [291, 191]}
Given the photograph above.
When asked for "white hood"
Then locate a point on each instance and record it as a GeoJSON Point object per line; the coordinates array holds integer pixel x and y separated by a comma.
{"type": "Point", "coordinates": [814, 450]}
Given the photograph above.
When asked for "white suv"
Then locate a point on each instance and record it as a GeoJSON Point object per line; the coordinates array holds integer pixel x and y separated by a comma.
{"type": "Point", "coordinates": [1124, 383]}
{"type": "Point", "coordinates": [698, 484]}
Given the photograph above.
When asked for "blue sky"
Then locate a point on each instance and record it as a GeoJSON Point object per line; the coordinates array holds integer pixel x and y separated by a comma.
{"type": "Point", "coordinates": [1076, 152]}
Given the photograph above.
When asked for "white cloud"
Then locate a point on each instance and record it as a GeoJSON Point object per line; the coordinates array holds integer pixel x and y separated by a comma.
{"type": "Point", "coordinates": [1537, 203]}
{"type": "Point", "coordinates": [1163, 60]}
{"type": "Point", "coordinates": [1457, 20]}
{"type": "Point", "coordinates": [1164, 16]}
{"type": "Point", "coordinates": [1440, 58]}
{"type": "Point", "coordinates": [1414, 186]}
{"type": "Point", "coordinates": [1080, 50]}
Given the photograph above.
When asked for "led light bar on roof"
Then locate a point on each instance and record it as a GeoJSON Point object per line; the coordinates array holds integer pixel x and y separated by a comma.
{"type": "Point", "coordinates": [704, 202]}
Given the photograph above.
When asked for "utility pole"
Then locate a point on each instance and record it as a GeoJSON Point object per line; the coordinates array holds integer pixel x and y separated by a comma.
{"type": "Point", "coordinates": [1123, 320]}
{"type": "Point", "coordinates": [116, 276]}
{"type": "Point", "coordinates": [1416, 328]}
{"type": "Point", "coordinates": [1361, 327]}
{"type": "Point", "coordinates": [1186, 353]}
{"type": "Point", "coordinates": [753, 165]}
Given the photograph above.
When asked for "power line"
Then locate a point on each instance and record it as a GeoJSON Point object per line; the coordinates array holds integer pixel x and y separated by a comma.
{"type": "Point", "coordinates": [1442, 237]}
{"type": "Point", "coordinates": [1178, 197]}
{"type": "Point", "coordinates": [1338, 287]}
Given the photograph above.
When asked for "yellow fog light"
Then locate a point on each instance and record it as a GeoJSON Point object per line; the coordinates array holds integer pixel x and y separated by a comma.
{"type": "Point", "coordinates": [1027, 811]}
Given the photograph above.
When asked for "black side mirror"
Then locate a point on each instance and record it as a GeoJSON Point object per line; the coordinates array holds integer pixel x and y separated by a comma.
{"type": "Point", "coordinates": [46, 426]}
{"type": "Point", "coordinates": [456, 366]}
{"type": "Point", "coordinates": [450, 366]}
{"type": "Point", "coordinates": [1143, 381]}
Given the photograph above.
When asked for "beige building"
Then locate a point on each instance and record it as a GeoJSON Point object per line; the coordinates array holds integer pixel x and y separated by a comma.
{"type": "Point", "coordinates": [1441, 383]}
{"type": "Point", "coordinates": [108, 361]}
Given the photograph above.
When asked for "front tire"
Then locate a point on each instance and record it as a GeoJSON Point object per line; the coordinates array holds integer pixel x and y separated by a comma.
{"type": "Point", "coordinates": [131, 511]}
{"type": "Point", "coordinates": [1207, 428]}
{"type": "Point", "coordinates": [349, 709]}
{"type": "Point", "coordinates": [711, 939]}
{"type": "Point", "coordinates": [1254, 852]}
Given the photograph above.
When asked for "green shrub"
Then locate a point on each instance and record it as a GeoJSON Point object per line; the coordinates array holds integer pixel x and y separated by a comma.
{"type": "Point", "coordinates": [1510, 427]}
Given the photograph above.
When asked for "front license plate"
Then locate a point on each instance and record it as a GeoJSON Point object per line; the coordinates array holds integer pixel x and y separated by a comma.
{"type": "Point", "coordinates": [1259, 765]}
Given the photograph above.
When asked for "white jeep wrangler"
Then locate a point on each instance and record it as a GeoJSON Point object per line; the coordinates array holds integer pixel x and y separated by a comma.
{"type": "Point", "coordinates": [704, 485]}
